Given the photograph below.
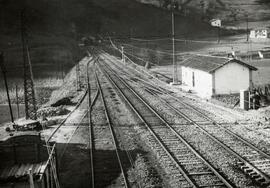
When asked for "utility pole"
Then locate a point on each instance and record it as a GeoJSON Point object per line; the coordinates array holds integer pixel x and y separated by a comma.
{"type": "Point", "coordinates": [29, 92]}
{"type": "Point", "coordinates": [6, 85]}
{"type": "Point", "coordinates": [78, 76]}
{"type": "Point", "coordinates": [175, 78]}
{"type": "Point", "coordinates": [17, 102]}
{"type": "Point", "coordinates": [247, 27]}
{"type": "Point", "coordinates": [218, 30]}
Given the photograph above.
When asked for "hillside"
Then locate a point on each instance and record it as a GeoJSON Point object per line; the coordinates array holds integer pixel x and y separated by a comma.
{"type": "Point", "coordinates": [77, 17]}
{"type": "Point", "coordinates": [231, 12]}
{"type": "Point", "coordinates": [61, 23]}
{"type": "Point", "coordinates": [55, 27]}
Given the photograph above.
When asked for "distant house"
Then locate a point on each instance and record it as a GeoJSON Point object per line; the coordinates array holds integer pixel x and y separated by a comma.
{"type": "Point", "coordinates": [259, 34]}
{"type": "Point", "coordinates": [215, 22]}
{"type": "Point", "coordinates": [211, 75]}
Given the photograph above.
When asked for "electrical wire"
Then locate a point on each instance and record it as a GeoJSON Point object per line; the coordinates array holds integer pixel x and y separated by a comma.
{"type": "Point", "coordinates": [148, 49]}
{"type": "Point", "coordinates": [113, 45]}
{"type": "Point", "coordinates": [149, 40]}
{"type": "Point", "coordinates": [139, 58]}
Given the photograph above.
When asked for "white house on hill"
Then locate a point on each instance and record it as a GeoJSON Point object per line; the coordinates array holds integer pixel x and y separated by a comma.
{"type": "Point", "coordinates": [211, 75]}
{"type": "Point", "coordinates": [258, 34]}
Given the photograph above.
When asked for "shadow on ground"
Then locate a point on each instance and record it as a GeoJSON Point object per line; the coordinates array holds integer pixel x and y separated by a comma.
{"type": "Point", "coordinates": [75, 170]}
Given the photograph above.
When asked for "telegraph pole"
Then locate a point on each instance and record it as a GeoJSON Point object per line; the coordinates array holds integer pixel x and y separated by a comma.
{"type": "Point", "coordinates": [218, 30]}
{"type": "Point", "coordinates": [29, 92]}
{"type": "Point", "coordinates": [175, 80]}
{"type": "Point", "coordinates": [6, 85]}
{"type": "Point", "coordinates": [78, 76]}
{"type": "Point", "coordinates": [247, 27]}
{"type": "Point", "coordinates": [17, 102]}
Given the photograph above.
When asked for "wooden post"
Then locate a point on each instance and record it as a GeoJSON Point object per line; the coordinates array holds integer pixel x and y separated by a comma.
{"type": "Point", "coordinates": [56, 161]}
{"type": "Point", "coordinates": [38, 148]}
{"type": "Point", "coordinates": [6, 85]}
{"type": "Point", "coordinates": [218, 28]}
{"type": "Point", "coordinates": [247, 27]}
{"type": "Point", "coordinates": [17, 102]}
{"type": "Point", "coordinates": [31, 180]}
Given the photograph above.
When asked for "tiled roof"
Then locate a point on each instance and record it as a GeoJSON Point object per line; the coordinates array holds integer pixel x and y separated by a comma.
{"type": "Point", "coordinates": [21, 170]}
{"type": "Point", "coordinates": [211, 63]}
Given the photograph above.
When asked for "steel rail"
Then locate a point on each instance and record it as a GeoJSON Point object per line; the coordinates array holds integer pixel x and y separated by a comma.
{"type": "Point", "coordinates": [224, 146]}
{"type": "Point", "coordinates": [158, 88]}
{"type": "Point", "coordinates": [215, 123]}
{"type": "Point", "coordinates": [267, 179]}
{"type": "Point", "coordinates": [131, 160]}
{"type": "Point", "coordinates": [91, 143]}
{"type": "Point", "coordinates": [225, 129]}
{"type": "Point", "coordinates": [90, 126]}
{"type": "Point", "coordinates": [112, 132]}
{"type": "Point", "coordinates": [76, 107]}
{"type": "Point", "coordinates": [77, 125]}
{"type": "Point", "coordinates": [184, 173]}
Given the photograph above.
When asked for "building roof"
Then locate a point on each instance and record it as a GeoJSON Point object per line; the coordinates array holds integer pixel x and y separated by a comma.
{"type": "Point", "coordinates": [19, 171]}
{"type": "Point", "coordinates": [211, 63]}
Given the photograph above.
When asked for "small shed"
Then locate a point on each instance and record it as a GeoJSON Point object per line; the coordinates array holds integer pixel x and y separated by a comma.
{"type": "Point", "coordinates": [212, 75]}
{"type": "Point", "coordinates": [258, 34]}
{"type": "Point", "coordinates": [215, 22]}
{"type": "Point", "coordinates": [27, 161]}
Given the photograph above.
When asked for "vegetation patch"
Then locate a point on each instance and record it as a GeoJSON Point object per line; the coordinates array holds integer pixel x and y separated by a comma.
{"type": "Point", "coordinates": [63, 101]}
{"type": "Point", "coordinates": [231, 100]}
{"type": "Point", "coordinates": [52, 111]}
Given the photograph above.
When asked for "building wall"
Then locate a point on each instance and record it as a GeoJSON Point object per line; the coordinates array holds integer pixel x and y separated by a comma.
{"type": "Point", "coordinates": [231, 78]}
{"type": "Point", "coordinates": [202, 81]}
{"type": "Point", "coordinates": [258, 34]}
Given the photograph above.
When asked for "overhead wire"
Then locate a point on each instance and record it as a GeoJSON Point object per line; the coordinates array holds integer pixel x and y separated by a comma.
{"type": "Point", "coordinates": [139, 58]}
{"type": "Point", "coordinates": [149, 40]}
{"type": "Point", "coordinates": [148, 49]}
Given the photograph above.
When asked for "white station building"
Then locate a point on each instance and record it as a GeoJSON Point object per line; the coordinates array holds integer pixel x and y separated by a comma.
{"type": "Point", "coordinates": [211, 75]}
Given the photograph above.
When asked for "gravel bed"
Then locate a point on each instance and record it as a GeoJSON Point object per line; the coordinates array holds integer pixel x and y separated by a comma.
{"type": "Point", "coordinates": [163, 110]}
{"type": "Point", "coordinates": [215, 153]}
{"type": "Point", "coordinates": [123, 122]}
{"type": "Point", "coordinates": [253, 132]}
{"type": "Point", "coordinates": [171, 173]}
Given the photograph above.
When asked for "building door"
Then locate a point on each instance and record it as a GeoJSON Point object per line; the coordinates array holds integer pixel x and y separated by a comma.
{"type": "Point", "coordinates": [193, 79]}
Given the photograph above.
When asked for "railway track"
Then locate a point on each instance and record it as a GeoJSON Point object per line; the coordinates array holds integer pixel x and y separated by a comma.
{"type": "Point", "coordinates": [68, 116]}
{"type": "Point", "coordinates": [187, 167]}
{"type": "Point", "coordinates": [71, 144]}
{"type": "Point", "coordinates": [106, 162]}
{"type": "Point", "coordinates": [251, 160]}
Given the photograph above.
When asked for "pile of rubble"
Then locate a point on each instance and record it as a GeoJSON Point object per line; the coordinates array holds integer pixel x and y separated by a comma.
{"type": "Point", "coordinates": [52, 111]}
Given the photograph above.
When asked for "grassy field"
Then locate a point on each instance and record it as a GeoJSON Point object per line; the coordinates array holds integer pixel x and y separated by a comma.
{"type": "Point", "coordinates": [159, 53]}
{"type": "Point", "coordinates": [262, 75]}
{"type": "Point", "coordinates": [230, 12]}
{"type": "Point", "coordinates": [51, 58]}
{"type": "Point", "coordinates": [43, 88]}
{"type": "Point", "coordinates": [5, 114]}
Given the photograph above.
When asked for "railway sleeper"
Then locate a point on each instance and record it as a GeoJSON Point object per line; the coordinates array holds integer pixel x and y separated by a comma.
{"type": "Point", "coordinates": [200, 173]}
{"type": "Point", "coordinates": [213, 185]}
{"type": "Point", "coordinates": [255, 176]}
{"type": "Point", "coordinates": [190, 163]}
